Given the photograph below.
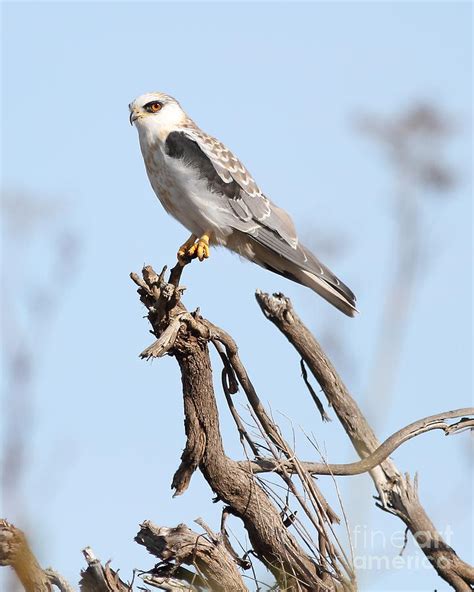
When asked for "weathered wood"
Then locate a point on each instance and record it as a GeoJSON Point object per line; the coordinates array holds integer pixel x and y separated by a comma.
{"type": "Point", "coordinates": [186, 336]}
{"type": "Point", "coordinates": [427, 424]}
{"type": "Point", "coordinates": [16, 553]}
{"type": "Point", "coordinates": [181, 545]}
{"type": "Point", "coordinates": [271, 541]}
{"type": "Point", "coordinates": [398, 495]}
{"type": "Point", "coordinates": [233, 484]}
{"type": "Point", "coordinates": [98, 577]}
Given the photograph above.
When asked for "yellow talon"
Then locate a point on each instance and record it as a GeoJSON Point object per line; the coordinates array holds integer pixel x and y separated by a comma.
{"type": "Point", "coordinates": [183, 252]}
{"type": "Point", "coordinates": [195, 249]}
{"type": "Point", "coordinates": [203, 248]}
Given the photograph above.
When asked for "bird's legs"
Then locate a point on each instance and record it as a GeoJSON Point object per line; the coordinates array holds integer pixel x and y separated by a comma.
{"type": "Point", "coordinates": [193, 248]}
{"type": "Point", "coordinates": [184, 248]}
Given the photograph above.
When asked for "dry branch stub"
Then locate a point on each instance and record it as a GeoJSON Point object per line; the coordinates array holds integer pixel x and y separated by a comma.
{"type": "Point", "coordinates": [98, 577]}
{"type": "Point", "coordinates": [181, 545]}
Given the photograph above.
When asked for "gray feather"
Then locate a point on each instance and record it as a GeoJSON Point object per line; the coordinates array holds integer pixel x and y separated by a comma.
{"type": "Point", "coordinates": [301, 266]}
{"type": "Point", "coordinates": [246, 211]}
{"type": "Point", "coordinates": [264, 232]}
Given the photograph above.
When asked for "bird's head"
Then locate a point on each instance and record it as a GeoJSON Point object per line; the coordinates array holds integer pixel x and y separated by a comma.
{"type": "Point", "coordinates": [156, 114]}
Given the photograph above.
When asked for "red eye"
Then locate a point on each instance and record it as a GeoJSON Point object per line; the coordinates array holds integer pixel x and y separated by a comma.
{"type": "Point", "coordinates": [154, 107]}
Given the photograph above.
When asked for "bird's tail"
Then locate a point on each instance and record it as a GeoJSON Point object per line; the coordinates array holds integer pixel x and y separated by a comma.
{"type": "Point", "coordinates": [338, 294]}
{"type": "Point", "coordinates": [301, 266]}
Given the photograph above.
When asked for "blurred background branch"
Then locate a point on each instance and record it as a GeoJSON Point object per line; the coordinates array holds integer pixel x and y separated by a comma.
{"type": "Point", "coordinates": [31, 225]}
{"type": "Point", "coordinates": [414, 142]}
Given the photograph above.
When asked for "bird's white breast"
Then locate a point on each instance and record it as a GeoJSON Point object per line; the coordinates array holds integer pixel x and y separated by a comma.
{"type": "Point", "coordinates": [181, 191]}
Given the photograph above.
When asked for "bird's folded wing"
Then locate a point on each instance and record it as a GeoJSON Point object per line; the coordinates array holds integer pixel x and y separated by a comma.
{"type": "Point", "coordinates": [225, 174]}
{"type": "Point", "coordinates": [228, 166]}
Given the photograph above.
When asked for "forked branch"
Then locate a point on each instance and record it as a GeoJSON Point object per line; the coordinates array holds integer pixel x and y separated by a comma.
{"type": "Point", "coordinates": [398, 495]}
{"type": "Point", "coordinates": [186, 336]}
{"type": "Point", "coordinates": [293, 568]}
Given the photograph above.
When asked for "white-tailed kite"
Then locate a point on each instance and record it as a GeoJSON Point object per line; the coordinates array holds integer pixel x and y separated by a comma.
{"type": "Point", "coordinates": [204, 186]}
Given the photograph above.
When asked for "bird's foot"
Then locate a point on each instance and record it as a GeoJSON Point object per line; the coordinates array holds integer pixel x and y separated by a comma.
{"type": "Point", "coordinates": [183, 251]}
{"type": "Point", "coordinates": [200, 249]}
{"type": "Point", "coordinates": [193, 249]}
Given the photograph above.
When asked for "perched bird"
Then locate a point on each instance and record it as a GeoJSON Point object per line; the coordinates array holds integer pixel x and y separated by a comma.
{"type": "Point", "coordinates": [204, 186]}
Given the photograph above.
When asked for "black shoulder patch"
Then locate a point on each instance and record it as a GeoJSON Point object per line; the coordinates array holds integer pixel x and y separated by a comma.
{"type": "Point", "coordinates": [179, 145]}
{"type": "Point", "coordinates": [174, 144]}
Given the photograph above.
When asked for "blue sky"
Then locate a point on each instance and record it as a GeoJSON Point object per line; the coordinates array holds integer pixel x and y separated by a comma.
{"type": "Point", "coordinates": [281, 84]}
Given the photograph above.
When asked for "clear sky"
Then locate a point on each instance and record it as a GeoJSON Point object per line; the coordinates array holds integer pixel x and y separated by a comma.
{"type": "Point", "coordinates": [281, 84]}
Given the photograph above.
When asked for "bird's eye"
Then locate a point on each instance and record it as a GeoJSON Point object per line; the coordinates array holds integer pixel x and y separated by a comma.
{"type": "Point", "coordinates": [153, 107]}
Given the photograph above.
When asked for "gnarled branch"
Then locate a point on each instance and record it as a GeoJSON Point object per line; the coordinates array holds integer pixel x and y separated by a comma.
{"type": "Point", "coordinates": [397, 494]}
{"type": "Point", "coordinates": [175, 546]}
{"type": "Point", "coordinates": [234, 485]}
{"type": "Point", "coordinates": [427, 424]}
{"type": "Point", "coordinates": [16, 553]}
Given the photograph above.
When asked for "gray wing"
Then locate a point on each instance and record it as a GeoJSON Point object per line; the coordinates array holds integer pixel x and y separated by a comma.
{"type": "Point", "coordinates": [265, 225]}
{"type": "Point", "coordinates": [228, 167]}
{"type": "Point", "coordinates": [249, 210]}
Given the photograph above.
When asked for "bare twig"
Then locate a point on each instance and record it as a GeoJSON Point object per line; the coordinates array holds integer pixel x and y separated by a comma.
{"type": "Point", "coordinates": [312, 392]}
{"type": "Point", "coordinates": [434, 422]}
{"type": "Point", "coordinates": [58, 580]}
{"type": "Point", "coordinates": [230, 387]}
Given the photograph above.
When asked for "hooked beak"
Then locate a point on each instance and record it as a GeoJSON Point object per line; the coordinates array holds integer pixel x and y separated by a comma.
{"type": "Point", "coordinates": [133, 116]}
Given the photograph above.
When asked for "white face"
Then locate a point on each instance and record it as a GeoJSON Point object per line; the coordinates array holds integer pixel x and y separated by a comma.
{"type": "Point", "coordinates": [156, 114]}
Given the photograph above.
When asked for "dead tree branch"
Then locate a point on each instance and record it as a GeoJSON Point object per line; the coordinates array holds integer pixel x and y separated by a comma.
{"type": "Point", "coordinates": [398, 495]}
{"type": "Point", "coordinates": [58, 580]}
{"type": "Point", "coordinates": [266, 516]}
{"type": "Point", "coordinates": [207, 553]}
{"type": "Point", "coordinates": [99, 578]}
{"type": "Point", "coordinates": [271, 541]}
{"type": "Point", "coordinates": [15, 552]}
{"type": "Point", "coordinates": [427, 424]}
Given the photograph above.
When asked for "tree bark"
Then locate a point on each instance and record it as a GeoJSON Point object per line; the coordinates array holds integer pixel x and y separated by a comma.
{"type": "Point", "coordinates": [398, 495]}
{"type": "Point", "coordinates": [235, 486]}
{"type": "Point", "coordinates": [325, 567]}
{"type": "Point", "coordinates": [16, 553]}
{"type": "Point", "coordinates": [182, 545]}
{"type": "Point", "coordinates": [269, 537]}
